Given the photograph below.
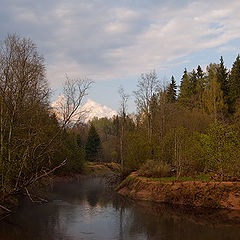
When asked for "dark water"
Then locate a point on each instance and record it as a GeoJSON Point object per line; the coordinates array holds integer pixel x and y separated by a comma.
{"type": "Point", "coordinates": [89, 210]}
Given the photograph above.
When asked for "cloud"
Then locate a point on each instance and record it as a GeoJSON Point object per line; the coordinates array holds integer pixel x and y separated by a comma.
{"type": "Point", "coordinates": [105, 39]}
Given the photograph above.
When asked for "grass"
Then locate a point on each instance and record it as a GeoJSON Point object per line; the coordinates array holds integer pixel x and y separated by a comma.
{"type": "Point", "coordinates": [181, 179]}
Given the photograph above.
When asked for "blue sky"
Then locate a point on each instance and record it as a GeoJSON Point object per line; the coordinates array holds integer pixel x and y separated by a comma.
{"type": "Point", "coordinates": [113, 42]}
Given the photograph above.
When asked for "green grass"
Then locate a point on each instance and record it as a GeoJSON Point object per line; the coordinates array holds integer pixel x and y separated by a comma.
{"type": "Point", "coordinates": [181, 179]}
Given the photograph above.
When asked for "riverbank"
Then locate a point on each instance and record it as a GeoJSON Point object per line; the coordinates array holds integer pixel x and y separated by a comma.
{"type": "Point", "coordinates": [203, 194]}
{"type": "Point", "coordinates": [37, 193]}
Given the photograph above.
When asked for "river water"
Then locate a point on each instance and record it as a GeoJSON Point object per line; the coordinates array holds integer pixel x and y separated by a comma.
{"type": "Point", "coordinates": [89, 210]}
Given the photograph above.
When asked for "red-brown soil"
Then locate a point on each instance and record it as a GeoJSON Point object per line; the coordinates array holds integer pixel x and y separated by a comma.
{"type": "Point", "coordinates": [206, 194]}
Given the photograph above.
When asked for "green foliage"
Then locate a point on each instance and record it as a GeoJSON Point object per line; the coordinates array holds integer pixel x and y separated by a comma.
{"type": "Point", "coordinates": [172, 91]}
{"type": "Point", "coordinates": [221, 148]}
{"type": "Point", "coordinates": [185, 92]}
{"type": "Point", "coordinates": [213, 100]}
{"type": "Point", "coordinates": [73, 152]}
{"type": "Point", "coordinates": [181, 179]}
{"type": "Point", "coordinates": [234, 85]}
{"type": "Point", "coordinates": [137, 150]}
{"type": "Point", "coordinates": [155, 169]}
{"type": "Point", "coordinates": [223, 79]}
{"type": "Point", "coordinates": [93, 144]}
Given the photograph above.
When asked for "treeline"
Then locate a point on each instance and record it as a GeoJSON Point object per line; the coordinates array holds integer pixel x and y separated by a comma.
{"type": "Point", "coordinates": [187, 130]}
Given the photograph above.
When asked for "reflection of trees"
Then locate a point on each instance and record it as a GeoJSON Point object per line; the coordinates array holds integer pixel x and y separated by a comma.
{"type": "Point", "coordinates": [139, 220]}
{"type": "Point", "coordinates": [165, 222]}
{"type": "Point", "coordinates": [31, 222]}
{"type": "Point", "coordinates": [93, 197]}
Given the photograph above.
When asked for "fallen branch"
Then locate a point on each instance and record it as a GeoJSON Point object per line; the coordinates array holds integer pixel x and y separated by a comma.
{"type": "Point", "coordinates": [5, 209]}
{"type": "Point", "coordinates": [45, 174]}
{"type": "Point", "coordinates": [29, 195]}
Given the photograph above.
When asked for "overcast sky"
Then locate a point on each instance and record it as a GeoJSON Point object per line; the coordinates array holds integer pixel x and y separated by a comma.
{"type": "Point", "coordinates": [114, 41]}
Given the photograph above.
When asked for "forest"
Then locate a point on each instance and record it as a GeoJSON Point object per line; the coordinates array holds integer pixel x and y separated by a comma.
{"type": "Point", "coordinates": [187, 130]}
{"type": "Point", "coordinates": [191, 130]}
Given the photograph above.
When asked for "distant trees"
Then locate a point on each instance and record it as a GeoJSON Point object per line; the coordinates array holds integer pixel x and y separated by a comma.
{"type": "Point", "coordinates": [191, 132]}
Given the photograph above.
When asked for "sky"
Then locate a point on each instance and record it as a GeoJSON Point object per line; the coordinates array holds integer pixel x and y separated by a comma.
{"type": "Point", "coordinates": [113, 42]}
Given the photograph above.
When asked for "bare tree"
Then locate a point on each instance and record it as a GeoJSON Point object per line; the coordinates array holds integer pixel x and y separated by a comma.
{"type": "Point", "coordinates": [148, 86]}
{"type": "Point", "coordinates": [68, 108]}
{"type": "Point", "coordinates": [123, 113]}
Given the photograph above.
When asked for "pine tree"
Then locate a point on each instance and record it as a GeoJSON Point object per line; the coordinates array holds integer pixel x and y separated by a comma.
{"type": "Point", "coordinates": [234, 85]}
{"type": "Point", "coordinates": [93, 144]}
{"type": "Point", "coordinates": [172, 91]}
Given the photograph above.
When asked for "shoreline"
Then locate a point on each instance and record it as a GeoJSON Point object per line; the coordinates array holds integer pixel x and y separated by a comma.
{"type": "Point", "coordinates": [199, 194]}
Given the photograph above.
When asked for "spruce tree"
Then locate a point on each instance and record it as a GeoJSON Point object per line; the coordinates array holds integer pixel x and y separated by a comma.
{"type": "Point", "coordinates": [234, 85]}
{"type": "Point", "coordinates": [200, 73]}
{"type": "Point", "coordinates": [201, 84]}
{"type": "Point", "coordinates": [93, 144]}
{"type": "Point", "coordinates": [185, 93]}
{"type": "Point", "coordinates": [172, 91]}
{"type": "Point", "coordinates": [222, 78]}
{"type": "Point", "coordinates": [193, 83]}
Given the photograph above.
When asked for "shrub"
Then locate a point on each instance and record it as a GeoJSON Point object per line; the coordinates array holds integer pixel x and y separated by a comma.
{"type": "Point", "coordinates": [155, 169]}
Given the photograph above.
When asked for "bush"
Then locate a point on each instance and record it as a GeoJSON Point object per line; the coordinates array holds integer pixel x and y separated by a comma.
{"type": "Point", "coordinates": [155, 169]}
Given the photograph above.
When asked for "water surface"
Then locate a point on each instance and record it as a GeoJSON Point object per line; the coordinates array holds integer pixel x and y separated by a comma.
{"type": "Point", "coordinates": [89, 210]}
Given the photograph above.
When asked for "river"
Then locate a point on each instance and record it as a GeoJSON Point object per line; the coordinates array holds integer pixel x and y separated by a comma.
{"type": "Point", "coordinates": [89, 210]}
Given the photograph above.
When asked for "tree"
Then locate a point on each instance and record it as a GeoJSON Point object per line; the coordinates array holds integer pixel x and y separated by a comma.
{"type": "Point", "coordinates": [172, 91]}
{"type": "Point", "coordinates": [201, 84]}
{"type": "Point", "coordinates": [213, 95]}
{"type": "Point", "coordinates": [24, 104]}
{"type": "Point", "coordinates": [200, 73]}
{"type": "Point", "coordinates": [28, 126]}
{"type": "Point", "coordinates": [185, 92]}
{"type": "Point", "coordinates": [123, 113]}
{"type": "Point", "coordinates": [93, 144]}
{"type": "Point", "coordinates": [222, 77]}
{"type": "Point", "coordinates": [234, 85]}
{"type": "Point", "coordinates": [148, 86]}
{"type": "Point", "coordinates": [68, 107]}
{"type": "Point", "coordinates": [221, 148]}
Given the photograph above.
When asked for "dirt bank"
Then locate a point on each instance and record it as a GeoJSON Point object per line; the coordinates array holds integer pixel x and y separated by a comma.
{"type": "Point", "coordinates": [204, 194]}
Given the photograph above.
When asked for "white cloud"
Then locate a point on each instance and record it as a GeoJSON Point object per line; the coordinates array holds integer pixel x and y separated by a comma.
{"type": "Point", "coordinates": [116, 39]}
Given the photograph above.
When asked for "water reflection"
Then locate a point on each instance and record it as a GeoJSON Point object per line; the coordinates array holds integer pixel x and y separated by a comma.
{"type": "Point", "coordinates": [88, 210]}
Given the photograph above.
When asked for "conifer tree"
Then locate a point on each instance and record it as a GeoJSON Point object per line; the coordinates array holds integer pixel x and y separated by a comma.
{"type": "Point", "coordinates": [200, 73]}
{"type": "Point", "coordinates": [172, 91]}
{"type": "Point", "coordinates": [193, 83]}
{"type": "Point", "coordinates": [234, 85]}
{"type": "Point", "coordinates": [93, 144]}
{"type": "Point", "coordinates": [201, 84]}
{"type": "Point", "coordinates": [185, 92]}
{"type": "Point", "coordinates": [222, 78]}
